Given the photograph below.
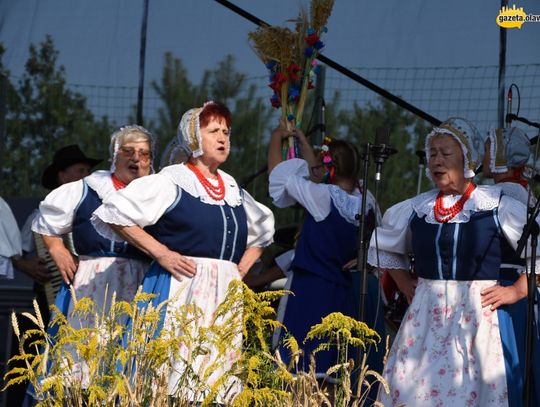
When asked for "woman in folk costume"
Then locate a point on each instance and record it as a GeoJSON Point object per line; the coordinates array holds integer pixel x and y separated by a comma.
{"type": "Point", "coordinates": [327, 240]}
{"type": "Point", "coordinates": [200, 228]}
{"type": "Point", "coordinates": [462, 339]}
{"type": "Point", "coordinates": [507, 154]}
{"type": "Point", "coordinates": [102, 267]}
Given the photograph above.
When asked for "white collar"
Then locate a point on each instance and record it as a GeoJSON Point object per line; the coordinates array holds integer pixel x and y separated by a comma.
{"type": "Point", "coordinates": [483, 198]}
{"type": "Point", "coordinates": [101, 182]}
{"type": "Point", "coordinates": [182, 176]}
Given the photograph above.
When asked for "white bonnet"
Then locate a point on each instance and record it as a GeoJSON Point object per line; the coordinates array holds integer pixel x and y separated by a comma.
{"type": "Point", "coordinates": [469, 139]}
{"type": "Point", "coordinates": [189, 131]}
{"type": "Point", "coordinates": [509, 148]}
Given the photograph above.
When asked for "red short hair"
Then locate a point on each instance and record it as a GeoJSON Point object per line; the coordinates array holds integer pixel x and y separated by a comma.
{"type": "Point", "coordinates": [215, 110]}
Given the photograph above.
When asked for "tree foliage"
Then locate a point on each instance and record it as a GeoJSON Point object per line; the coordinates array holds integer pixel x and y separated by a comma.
{"type": "Point", "coordinates": [42, 116]}
{"type": "Point", "coordinates": [177, 94]}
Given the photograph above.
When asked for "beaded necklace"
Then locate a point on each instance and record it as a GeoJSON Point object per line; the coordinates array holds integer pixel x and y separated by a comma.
{"type": "Point", "coordinates": [117, 183]}
{"type": "Point", "coordinates": [217, 193]}
{"type": "Point", "coordinates": [443, 214]}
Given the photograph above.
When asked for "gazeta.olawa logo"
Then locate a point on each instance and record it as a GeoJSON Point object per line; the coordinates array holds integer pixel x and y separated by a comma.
{"type": "Point", "coordinates": [515, 17]}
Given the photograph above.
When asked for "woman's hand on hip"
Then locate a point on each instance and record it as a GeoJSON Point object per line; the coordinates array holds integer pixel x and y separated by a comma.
{"type": "Point", "coordinates": [176, 264]}
{"type": "Point", "coordinates": [498, 295]}
{"type": "Point", "coordinates": [66, 262]}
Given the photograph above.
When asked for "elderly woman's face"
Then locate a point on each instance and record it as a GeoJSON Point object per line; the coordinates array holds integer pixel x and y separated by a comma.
{"type": "Point", "coordinates": [133, 161]}
{"type": "Point", "coordinates": [446, 164]}
{"type": "Point", "coordinates": [215, 142]}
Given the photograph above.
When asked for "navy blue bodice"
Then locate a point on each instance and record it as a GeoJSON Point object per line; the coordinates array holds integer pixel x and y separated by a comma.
{"type": "Point", "coordinates": [324, 247]}
{"type": "Point", "coordinates": [196, 229]}
{"type": "Point", "coordinates": [473, 250]}
{"type": "Point", "coordinates": [87, 240]}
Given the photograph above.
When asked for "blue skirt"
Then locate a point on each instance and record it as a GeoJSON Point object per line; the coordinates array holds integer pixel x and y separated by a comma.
{"type": "Point", "coordinates": [313, 299]}
{"type": "Point", "coordinates": [513, 328]}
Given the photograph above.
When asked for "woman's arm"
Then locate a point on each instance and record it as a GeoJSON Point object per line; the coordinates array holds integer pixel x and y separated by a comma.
{"type": "Point", "coordinates": [66, 262]}
{"type": "Point", "coordinates": [498, 295]}
{"type": "Point", "coordinates": [405, 282]}
{"type": "Point", "coordinates": [265, 277]}
{"type": "Point", "coordinates": [307, 153]}
{"type": "Point", "coordinates": [251, 255]}
{"type": "Point", "coordinates": [276, 140]}
{"type": "Point", "coordinates": [274, 147]}
{"type": "Point", "coordinates": [176, 264]}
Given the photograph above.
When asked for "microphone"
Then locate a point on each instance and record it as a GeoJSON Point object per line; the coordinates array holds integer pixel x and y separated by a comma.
{"type": "Point", "coordinates": [381, 149]}
{"type": "Point", "coordinates": [509, 117]}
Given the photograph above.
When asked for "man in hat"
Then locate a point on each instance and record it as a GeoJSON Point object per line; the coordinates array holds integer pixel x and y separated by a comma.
{"type": "Point", "coordinates": [69, 164]}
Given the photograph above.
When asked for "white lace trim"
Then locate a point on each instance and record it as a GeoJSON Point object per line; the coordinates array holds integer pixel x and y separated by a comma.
{"type": "Point", "coordinates": [387, 260]}
{"type": "Point", "coordinates": [483, 198]}
{"type": "Point", "coordinates": [101, 182]}
{"type": "Point", "coordinates": [493, 147]}
{"type": "Point", "coordinates": [185, 178]}
{"type": "Point", "coordinates": [347, 205]}
{"type": "Point", "coordinates": [104, 230]}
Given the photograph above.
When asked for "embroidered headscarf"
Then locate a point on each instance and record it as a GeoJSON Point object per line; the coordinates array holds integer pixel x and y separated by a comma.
{"type": "Point", "coordinates": [173, 154]}
{"type": "Point", "coordinates": [189, 131]}
{"type": "Point", "coordinates": [468, 138]}
{"type": "Point", "coordinates": [509, 148]}
{"type": "Point", "coordinates": [120, 137]}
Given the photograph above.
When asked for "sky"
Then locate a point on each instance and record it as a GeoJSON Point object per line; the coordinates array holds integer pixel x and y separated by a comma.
{"type": "Point", "coordinates": [99, 40]}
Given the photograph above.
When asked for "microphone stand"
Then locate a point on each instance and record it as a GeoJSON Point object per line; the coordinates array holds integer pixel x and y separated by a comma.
{"type": "Point", "coordinates": [361, 259]}
{"type": "Point", "coordinates": [362, 246]}
{"type": "Point", "coordinates": [511, 117]}
{"type": "Point", "coordinates": [531, 229]}
{"type": "Point", "coordinates": [381, 150]}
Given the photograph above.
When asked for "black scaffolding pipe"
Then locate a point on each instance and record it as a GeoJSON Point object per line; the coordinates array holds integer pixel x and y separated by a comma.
{"type": "Point", "coordinates": [341, 69]}
{"type": "Point", "coordinates": [142, 59]}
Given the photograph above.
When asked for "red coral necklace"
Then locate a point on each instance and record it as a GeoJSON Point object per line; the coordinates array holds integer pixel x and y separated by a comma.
{"type": "Point", "coordinates": [443, 214]}
{"type": "Point", "coordinates": [217, 193]}
{"type": "Point", "coordinates": [117, 183]}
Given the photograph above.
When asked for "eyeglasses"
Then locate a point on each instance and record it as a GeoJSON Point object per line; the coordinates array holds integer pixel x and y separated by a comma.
{"type": "Point", "coordinates": [128, 152]}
